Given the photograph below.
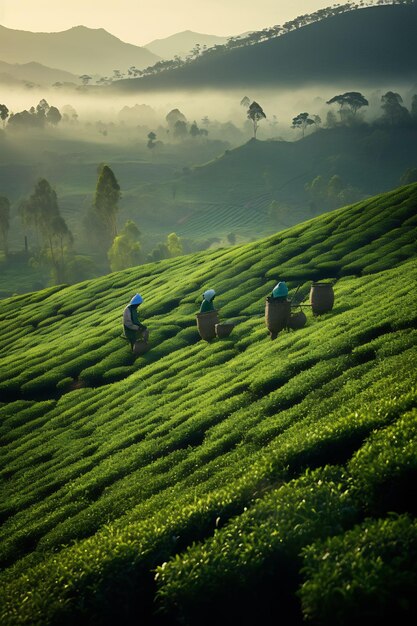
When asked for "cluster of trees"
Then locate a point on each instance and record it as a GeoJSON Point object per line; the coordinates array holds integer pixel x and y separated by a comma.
{"type": "Point", "coordinates": [41, 116]}
{"type": "Point", "coordinates": [331, 192]}
{"type": "Point", "coordinates": [52, 243]}
{"type": "Point", "coordinates": [392, 105]}
{"type": "Point", "coordinates": [179, 126]}
{"type": "Point", "coordinates": [37, 117]}
{"type": "Point", "coordinates": [54, 239]}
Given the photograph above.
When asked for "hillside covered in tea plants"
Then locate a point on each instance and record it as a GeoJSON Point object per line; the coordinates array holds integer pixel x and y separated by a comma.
{"type": "Point", "coordinates": [242, 480]}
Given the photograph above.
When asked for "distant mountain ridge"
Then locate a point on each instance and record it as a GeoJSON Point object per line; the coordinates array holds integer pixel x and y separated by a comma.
{"type": "Point", "coordinates": [367, 45]}
{"type": "Point", "coordinates": [180, 44]}
{"type": "Point", "coordinates": [34, 73]}
{"type": "Point", "coordinates": [79, 50]}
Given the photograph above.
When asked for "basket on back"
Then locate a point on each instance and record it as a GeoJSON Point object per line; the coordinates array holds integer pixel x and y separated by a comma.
{"type": "Point", "coordinates": [321, 298]}
{"type": "Point", "coordinates": [206, 324]}
{"type": "Point", "coordinates": [277, 315]}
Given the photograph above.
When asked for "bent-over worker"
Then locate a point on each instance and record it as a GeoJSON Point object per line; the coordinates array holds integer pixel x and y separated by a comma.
{"type": "Point", "coordinates": [132, 327]}
{"type": "Point", "coordinates": [207, 303]}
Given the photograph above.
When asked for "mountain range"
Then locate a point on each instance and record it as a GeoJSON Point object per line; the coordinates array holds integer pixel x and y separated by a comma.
{"type": "Point", "coordinates": [34, 73]}
{"type": "Point", "coordinates": [180, 44]}
{"type": "Point", "coordinates": [79, 50]}
{"type": "Point", "coordinates": [364, 46]}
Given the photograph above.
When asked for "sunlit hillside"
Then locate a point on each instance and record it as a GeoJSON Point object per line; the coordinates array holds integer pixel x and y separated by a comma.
{"type": "Point", "coordinates": [240, 480]}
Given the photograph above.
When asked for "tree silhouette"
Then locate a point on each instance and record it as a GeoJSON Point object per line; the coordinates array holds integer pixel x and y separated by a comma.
{"type": "Point", "coordinates": [394, 112]}
{"type": "Point", "coordinates": [85, 79]}
{"type": "Point", "coordinates": [255, 114]}
{"type": "Point", "coordinates": [351, 100]}
{"type": "Point", "coordinates": [4, 113]}
{"type": "Point", "coordinates": [106, 201]}
{"type": "Point", "coordinates": [151, 140]}
{"type": "Point", "coordinates": [302, 120]}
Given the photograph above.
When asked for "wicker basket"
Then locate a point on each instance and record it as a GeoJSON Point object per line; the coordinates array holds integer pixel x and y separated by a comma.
{"type": "Point", "coordinates": [206, 324]}
{"type": "Point", "coordinates": [321, 298]}
{"type": "Point", "coordinates": [277, 315]}
{"type": "Point", "coordinates": [297, 320]}
{"type": "Point", "coordinates": [224, 330]}
{"type": "Point", "coordinates": [140, 347]}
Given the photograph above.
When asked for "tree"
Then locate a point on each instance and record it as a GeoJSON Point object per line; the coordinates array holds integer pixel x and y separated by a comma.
{"type": "Point", "coordinates": [194, 130]}
{"type": "Point", "coordinates": [351, 102]}
{"type": "Point", "coordinates": [180, 129]}
{"type": "Point", "coordinates": [334, 188]}
{"type": "Point", "coordinates": [4, 114]}
{"type": "Point", "coordinates": [231, 238]}
{"type": "Point", "coordinates": [69, 114]}
{"type": "Point", "coordinates": [394, 113]}
{"type": "Point", "coordinates": [106, 201]}
{"type": "Point", "coordinates": [245, 102]}
{"type": "Point", "coordinates": [85, 79]}
{"type": "Point", "coordinates": [174, 245]}
{"type": "Point", "coordinates": [302, 120]}
{"type": "Point", "coordinates": [126, 249]}
{"type": "Point", "coordinates": [41, 211]}
{"type": "Point", "coordinates": [53, 116]}
{"type": "Point", "coordinates": [4, 223]}
{"type": "Point", "coordinates": [255, 114]}
{"type": "Point", "coordinates": [174, 116]}
{"type": "Point", "coordinates": [151, 140]}
{"type": "Point", "coordinates": [413, 110]}
{"type": "Point", "coordinates": [409, 176]}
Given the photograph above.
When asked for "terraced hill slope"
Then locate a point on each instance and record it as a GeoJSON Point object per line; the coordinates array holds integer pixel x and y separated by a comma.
{"type": "Point", "coordinates": [236, 480]}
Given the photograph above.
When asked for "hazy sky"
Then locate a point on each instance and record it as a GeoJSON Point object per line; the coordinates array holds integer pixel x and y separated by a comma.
{"type": "Point", "coordinates": [141, 21]}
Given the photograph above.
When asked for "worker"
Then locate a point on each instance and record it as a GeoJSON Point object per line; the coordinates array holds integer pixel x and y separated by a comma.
{"type": "Point", "coordinates": [279, 292]}
{"type": "Point", "coordinates": [207, 303]}
{"type": "Point", "coordinates": [132, 327]}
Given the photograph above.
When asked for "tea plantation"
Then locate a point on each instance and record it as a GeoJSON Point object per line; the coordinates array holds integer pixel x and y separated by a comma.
{"type": "Point", "coordinates": [241, 480]}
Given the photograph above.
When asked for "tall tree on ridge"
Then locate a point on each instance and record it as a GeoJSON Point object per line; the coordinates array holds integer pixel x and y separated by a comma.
{"type": "Point", "coordinates": [256, 114]}
{"type": "Point", "coordinates": [106, 201]}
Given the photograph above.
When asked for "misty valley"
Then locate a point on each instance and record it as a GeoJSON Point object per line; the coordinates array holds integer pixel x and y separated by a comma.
{"type": "Point", "coordinates": [195, 171]}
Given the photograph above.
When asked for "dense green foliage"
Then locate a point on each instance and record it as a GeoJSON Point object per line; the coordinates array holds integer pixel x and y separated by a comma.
{"type": "Point", "coordinates": [235, 479]}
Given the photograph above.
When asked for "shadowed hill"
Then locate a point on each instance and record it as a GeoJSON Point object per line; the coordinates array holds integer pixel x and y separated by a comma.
{"type": "Point", "coordinates": [77, 50]}
{"type": "Point", "coordinates": [242, 183]}
{"type": "Point", "coordinates": [367, 46]}
{"type": "Point", "coordinates": [235, 469]}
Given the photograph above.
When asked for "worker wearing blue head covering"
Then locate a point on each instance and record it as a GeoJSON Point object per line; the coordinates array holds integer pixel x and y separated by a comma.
{"type": "Point", "coordinates": [132, 327]}
{"type": "Point", "coordinates": [207, 303]}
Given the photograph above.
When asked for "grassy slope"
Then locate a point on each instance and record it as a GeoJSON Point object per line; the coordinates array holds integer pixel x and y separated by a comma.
{"type": "Point", "coordinates": [242, 465]}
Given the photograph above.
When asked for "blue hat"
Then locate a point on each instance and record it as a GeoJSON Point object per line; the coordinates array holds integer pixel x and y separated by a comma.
{"type": "Point", "coordinates": [280, 290]}
{"type": "Point", "coordinates": [137, 299]}
{"type": "Point", "coordinates": [209, 295]}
